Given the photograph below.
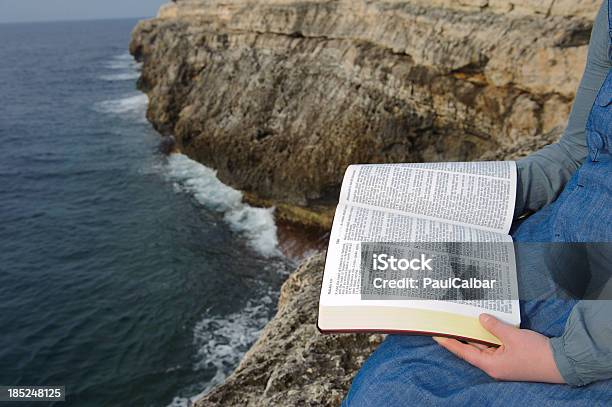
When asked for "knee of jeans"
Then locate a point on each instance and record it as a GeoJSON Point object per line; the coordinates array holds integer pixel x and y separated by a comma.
{"type": "Point", "coordinates": [365, 391]}
{"type": "Point", "coordinates": [383, 370]}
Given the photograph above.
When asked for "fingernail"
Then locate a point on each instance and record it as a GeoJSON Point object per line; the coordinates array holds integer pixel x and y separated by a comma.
{"type": "Point", "coordinates": [485, 318]}
{"type": "Point", "coordinates": [439, 339]}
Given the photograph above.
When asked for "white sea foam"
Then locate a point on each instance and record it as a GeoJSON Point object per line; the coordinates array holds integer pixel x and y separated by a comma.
{"type": "Point", "coordinates": [222, 341]}
{"type": "Point", "coordinates": [124, 76]}
{"type": "Point", "coordinates": [125, 56]}
{"type": "Point", "coordinates": [133, 106]}
{"type": "Point", "coordinates": [124, 68]}
{"type": "Point", "coordinates": [123, 61]}
{"type": "Point", "coordinates": [256, 224]}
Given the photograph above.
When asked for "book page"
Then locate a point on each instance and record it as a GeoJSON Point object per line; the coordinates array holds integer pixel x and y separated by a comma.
{"type": "Point", "coordinates": [480, 195]}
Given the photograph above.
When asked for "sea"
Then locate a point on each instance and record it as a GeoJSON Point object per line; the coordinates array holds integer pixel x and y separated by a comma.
{"type": "Point", "coordinates": [129, 277]}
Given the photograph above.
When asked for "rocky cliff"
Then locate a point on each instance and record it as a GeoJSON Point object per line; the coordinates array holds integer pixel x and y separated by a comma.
{"type": "Point", "coordinates": [280, 96]}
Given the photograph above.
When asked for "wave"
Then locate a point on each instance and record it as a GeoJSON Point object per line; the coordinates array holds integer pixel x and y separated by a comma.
{"type": "Point", "coordinates": [124, 68]}
{"type": "Point", "coordinates": [256, 224]}
{"type": "Point", "coordinates": [123, 61]}
{"type": "Point", "coordinates": [222, 341]}
{"type": "Point", "coordinates": [134, 106]}
{"type": "Point", "coordinates": [125, 76]}
{"type": "Point", "coordinates": [124, 56]}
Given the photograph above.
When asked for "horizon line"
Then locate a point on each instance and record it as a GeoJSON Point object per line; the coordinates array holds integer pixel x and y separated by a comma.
{"type": "Point", "coordinates": [74, 20]}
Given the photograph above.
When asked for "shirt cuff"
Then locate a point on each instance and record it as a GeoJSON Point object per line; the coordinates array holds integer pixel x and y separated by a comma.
{"type": "Point", "coordinates": [519, 202]}
{"type": "Point", "coordinates": [564, 363]}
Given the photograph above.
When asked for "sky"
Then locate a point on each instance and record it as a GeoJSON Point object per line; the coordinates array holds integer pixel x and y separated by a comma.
{"type": "Point", "coordinates": [55, 10]}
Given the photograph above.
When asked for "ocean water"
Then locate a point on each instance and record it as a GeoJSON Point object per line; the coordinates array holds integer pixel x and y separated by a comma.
{"type": "Point", "coordinates": [131, 278]}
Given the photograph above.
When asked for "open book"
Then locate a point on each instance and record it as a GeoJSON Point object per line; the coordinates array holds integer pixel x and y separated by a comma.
{"type": "Point", "coordinates": [430, 202]}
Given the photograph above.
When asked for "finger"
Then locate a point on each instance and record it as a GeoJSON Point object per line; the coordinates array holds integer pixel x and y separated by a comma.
{"type": "Point", "coordinates": [468, 353]}
{"type": "Point", "coordinates": [498, 328]}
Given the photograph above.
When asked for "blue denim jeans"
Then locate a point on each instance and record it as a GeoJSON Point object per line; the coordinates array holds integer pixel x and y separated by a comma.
{"type": "Point", "coordinates": [414, 370]}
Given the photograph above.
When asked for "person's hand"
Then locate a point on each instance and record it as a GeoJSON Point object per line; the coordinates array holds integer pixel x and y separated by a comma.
{"type": "Point", "coordinates": [524, 356]}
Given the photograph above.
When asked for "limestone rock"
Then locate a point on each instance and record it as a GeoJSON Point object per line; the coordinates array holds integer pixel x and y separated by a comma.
{"type": "Point", "coordinates": [281, 95]}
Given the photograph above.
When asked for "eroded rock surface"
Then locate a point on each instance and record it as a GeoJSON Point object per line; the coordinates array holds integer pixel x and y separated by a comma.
{"type": "Point", "coordinates": [280, 96]}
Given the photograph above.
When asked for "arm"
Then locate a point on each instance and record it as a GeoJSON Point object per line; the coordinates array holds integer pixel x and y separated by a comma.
{"type": "Point", "coordinates": [543, 174]}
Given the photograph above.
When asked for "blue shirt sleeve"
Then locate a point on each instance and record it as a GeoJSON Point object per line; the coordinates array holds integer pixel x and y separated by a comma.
{"type": "Point", "coordinates": [543, 174]}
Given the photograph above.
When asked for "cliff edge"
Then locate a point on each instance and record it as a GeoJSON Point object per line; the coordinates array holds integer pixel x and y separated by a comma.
{"type": "Point", "coordinates": [280, 96]}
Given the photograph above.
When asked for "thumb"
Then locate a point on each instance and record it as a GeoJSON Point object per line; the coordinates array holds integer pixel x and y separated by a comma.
{"type": "Point", "coordinates": [498, 328]}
